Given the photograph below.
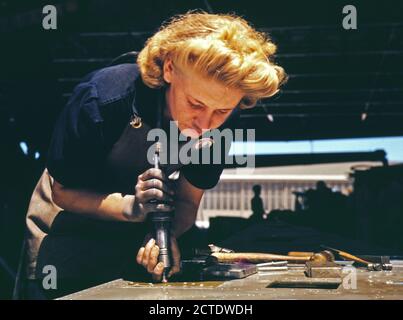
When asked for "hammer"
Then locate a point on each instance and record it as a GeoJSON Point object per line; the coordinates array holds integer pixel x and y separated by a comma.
{"type": "Point", "coordinates": [251, 257]}
{"type": "Point", "coordinates": [347, 256]}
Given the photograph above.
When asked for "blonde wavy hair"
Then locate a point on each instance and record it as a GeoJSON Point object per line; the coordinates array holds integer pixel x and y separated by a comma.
{"type": "Point", "coordinates": [222, 46]}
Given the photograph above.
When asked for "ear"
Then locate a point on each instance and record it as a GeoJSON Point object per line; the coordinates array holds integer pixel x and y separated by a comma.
{"type": "Point", "coordinates": [168, 70]}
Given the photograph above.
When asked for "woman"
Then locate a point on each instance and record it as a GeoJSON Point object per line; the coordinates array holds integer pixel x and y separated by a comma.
{"type": "Point", "coordinates": [87, 212]}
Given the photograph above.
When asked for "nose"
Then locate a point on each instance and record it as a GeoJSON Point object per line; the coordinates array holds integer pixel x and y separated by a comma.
{"type": "Point", "coordinates": [203, 120]}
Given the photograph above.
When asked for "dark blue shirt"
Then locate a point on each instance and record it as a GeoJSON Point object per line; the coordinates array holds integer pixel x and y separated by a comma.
{"type": "Point", "coordinates": [94, 119]}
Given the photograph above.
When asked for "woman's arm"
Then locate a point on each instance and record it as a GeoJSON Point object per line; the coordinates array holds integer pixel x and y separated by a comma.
{"type": "Point", "coordinates": [151, 185]}
{"type": "Point", "coordinates": [103, 206]}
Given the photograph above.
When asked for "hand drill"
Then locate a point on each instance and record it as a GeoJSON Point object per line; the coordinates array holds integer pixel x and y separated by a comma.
{"type": "Point", "coordinates": [162, 225]}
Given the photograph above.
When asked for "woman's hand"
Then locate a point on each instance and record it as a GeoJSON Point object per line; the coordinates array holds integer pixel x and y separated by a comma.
{"type": "Point", "coordinates": [153, 193]}
{"type": "Point", "coordinates": [147, 256]}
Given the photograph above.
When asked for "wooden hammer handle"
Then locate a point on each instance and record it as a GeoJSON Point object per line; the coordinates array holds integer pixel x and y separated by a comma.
{"type": "Point", "coordinates": [300, 253]}
{"type": "Point", "coordinates": [349, 256]}
{"type": "Point", "coordinates": [255, 257]}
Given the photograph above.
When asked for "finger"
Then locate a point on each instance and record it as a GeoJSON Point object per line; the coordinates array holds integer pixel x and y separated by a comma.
{"type": "Point", "coordinates": [174, 270]}
{"type": "Point", "coordinates": [147, 251]}
{"type": "Point", "coordinates": [158, 184]}
{"type": "Point", "coordinates": [157, 272]}
{"type": "Point", "coordinates": [153, 173]}
{"type": "Point", "coordinates": [176, 258]}
{"type": "Point", "coordinates": [139, 257]}
{"type": "Point", "coordinates": [153, 260]}
{"type": "Point", "coordinates": [161, 207]}
{"type": "Point", "coordinates": [155, 194]}
{"type": "Point", "coordinates": [147, 238]}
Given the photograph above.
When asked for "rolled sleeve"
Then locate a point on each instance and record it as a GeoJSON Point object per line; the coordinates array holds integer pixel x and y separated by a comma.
{"type": "Point", "coordinates": [206, 176]}
{"type": "Point", "coordinates": [203, 176]}
{"type": "Point", "coordinates": [76, 150]}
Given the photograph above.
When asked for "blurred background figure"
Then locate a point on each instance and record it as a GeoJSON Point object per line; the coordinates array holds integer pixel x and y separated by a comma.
{"type": "Point", "coordinates": [258, 212]}
{"type": "Point", "coordinates": [318, 198]}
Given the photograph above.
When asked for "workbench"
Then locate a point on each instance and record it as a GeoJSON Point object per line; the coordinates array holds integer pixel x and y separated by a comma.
{"type": "Point", "coordinates": [369, 285]}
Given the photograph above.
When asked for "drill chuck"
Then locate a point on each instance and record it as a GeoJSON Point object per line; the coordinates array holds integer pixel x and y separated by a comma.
{"type": "Point", "coordinates": [162, 225]}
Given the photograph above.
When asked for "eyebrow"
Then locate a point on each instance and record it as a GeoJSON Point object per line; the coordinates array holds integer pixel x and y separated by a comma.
{"type": "Point", "coordinates": [198, 101]}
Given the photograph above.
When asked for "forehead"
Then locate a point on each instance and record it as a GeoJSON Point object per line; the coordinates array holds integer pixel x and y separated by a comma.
{"type": "Point", "coordinates": [209, 91]}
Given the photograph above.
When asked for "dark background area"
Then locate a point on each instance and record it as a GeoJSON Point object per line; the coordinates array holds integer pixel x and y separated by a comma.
{"type": "Point", "coordinates": [343, 83]}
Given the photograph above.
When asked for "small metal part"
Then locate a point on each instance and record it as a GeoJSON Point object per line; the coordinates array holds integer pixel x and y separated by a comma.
{"type": "Point", "coordinates": [136, 122]}
{"type": "Point", "coordinates": [198, 260]}
{"type": "Point", "coordinates": [271, 269]}
{"type": "Point", "coordinates": [322, 270]}
{"type": "Point", "coordinates": [296, 266]}
{"type": "Point", "coordinates": [228, 271]}
{"type": "Point", "coordinates": [384, 261]}
{"type": "Point", "coordinates": [272, 264]}
{"type": "Point", "coordinates": [213, 248]}
{"type": "Point", "coordinates": [157, 152]}
{"type": "Point", "coordinates": [344, 263]}
{"type": "Point", "coordinates": [375, 259]}
{"type": "Point", "coordinates": [374, 267]}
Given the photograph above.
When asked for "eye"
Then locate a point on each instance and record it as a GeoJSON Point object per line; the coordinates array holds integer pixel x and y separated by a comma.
{"type": "Point", "coordinates": [224, 111]}
{"type": "Point", "coordinates": [195, 106]}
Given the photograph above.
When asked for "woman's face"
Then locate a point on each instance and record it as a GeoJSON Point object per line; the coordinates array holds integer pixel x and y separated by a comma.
{"type": "Point", "coordinates": [195, 102]}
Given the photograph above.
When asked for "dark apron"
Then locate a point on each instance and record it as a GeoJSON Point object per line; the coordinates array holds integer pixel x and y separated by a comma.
{"type": "Point", "coordinates": [88, 251]}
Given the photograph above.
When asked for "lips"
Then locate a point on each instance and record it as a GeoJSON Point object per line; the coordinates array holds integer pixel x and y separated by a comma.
{"type": "Point", "coordinates": [191, 131]}
{"type": "Point", "coordinates": [198, 131]}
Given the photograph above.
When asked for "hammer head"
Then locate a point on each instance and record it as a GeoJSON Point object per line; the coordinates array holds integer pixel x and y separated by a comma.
{"type": "Point", "coordinates": [323, 257]}
{"type": "Point", "coordinates": [322, 265]}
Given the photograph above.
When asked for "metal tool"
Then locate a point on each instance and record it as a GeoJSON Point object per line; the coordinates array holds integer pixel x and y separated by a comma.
{"type": "Point", "coordinates": [384, 261]}
{"type": "Point", "coordinates": [162, 225]}
{"type": "Point", "coordinates": [272, 266]}
{"type": "Point", "coordinates": [272, 269]}
{"type": "Point", "coordinates": [257, 257]}
{"type": "Point", "coordinates": [347, 256]}
{"type": "Point", "coordinates": [325, 269]}
{"type": "Point", "coordinates": [228, 271]}
{"type": "Point", "coordinates": [320, 265]}
{"type": "Point", "coordinates": [214, 248]}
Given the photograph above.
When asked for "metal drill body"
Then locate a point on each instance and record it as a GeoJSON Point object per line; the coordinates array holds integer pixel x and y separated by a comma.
{"type": "Point", "coordinates": [162, 225]}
